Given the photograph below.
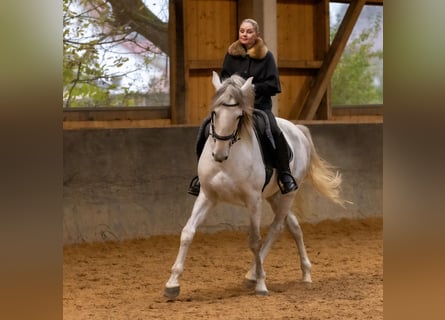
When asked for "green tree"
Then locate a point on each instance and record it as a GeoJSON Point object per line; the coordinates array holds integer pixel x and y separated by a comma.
{"type": "Point", "coordinates": [358, 78]}
{"type": "Point", "coordinates": [92, 27]}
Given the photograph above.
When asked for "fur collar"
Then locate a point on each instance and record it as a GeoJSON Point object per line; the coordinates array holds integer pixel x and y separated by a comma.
{"type": "Point", "coordinates": [258, 51]}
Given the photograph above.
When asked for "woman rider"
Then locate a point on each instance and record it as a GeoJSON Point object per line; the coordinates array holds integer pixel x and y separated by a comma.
{"type": "Point", "coordinates": [249, 57]}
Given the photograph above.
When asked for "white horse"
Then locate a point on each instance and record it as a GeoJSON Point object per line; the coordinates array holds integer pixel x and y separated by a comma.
{"type": "Point", "coordinates": [231, 170]}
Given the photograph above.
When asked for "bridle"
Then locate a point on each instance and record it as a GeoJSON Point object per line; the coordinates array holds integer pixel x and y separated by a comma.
{"type": "Point", "coordinates": [233, 137]}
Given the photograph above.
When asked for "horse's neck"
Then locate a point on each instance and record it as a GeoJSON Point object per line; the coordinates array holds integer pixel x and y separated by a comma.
{"type": "Point", "coordinates": [246, 149]}
{"type": "Point", "coordinates": [248, 134]}
{"type": "Point", "coordinates": [248, 139]}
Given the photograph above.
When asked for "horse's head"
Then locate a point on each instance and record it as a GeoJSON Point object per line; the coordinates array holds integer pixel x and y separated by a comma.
{"type": "Point", "coordinates": [231, 112]}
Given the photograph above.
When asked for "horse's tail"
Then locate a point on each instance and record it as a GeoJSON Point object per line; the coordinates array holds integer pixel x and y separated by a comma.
{"type": "Point", "coordinates": [323, 175]}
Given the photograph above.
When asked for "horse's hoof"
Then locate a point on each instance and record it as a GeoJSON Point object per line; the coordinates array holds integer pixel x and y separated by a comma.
{"type": "Point", "coordinates": [307, 284]}
{"type": "Point", "coordinates": [171, 293]}
{"type": "Point", "coordinates": [248, 283]}
{"type": "Point", "coordinates": [262, 293]}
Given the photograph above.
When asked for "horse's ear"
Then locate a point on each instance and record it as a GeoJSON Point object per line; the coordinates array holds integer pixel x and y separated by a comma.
{"type": "Point", "coordinates": [216, 81]}
{"type": "Point", "coordinates": [247, 85]}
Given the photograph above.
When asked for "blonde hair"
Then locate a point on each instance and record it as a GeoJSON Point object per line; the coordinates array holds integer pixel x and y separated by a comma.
{"type": "Point", "coordinates": [253, 23]}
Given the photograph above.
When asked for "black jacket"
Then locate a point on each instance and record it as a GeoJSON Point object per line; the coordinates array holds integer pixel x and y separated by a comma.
{"type": "Point", "coordinates": [257, 62]}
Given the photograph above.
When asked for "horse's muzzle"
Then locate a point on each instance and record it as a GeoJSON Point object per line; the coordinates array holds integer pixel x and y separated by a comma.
{"type": "Point", "coordinates": [219, 158]}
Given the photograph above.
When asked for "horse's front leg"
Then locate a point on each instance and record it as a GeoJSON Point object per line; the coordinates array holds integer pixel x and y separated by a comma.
{"type": "Point", "coordinates": [255, 246]}
{"type": "Point", "coordinates": [200, 209]}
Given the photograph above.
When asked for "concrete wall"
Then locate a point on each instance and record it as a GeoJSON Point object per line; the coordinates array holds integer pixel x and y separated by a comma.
{"type": "Point", "coordinates": [129, 183]}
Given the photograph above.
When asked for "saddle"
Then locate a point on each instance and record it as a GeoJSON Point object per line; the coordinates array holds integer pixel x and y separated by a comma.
{"type": "Point", "coordinates": [263, 134]}
{"type": "Point", "coordinates": [266, 142]}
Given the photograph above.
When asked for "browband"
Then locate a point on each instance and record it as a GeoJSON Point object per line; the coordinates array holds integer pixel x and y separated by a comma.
{"type": "Point", "coordinates": [230, 104]}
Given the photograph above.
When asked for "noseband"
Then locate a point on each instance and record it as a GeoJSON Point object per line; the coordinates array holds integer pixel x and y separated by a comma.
{"type": "Point", "coordinates": [233, 137]}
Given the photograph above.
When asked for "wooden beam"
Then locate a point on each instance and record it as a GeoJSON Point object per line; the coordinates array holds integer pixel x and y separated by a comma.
{"type": "Point", "coordinates": [323, 34]}
{"type": "Point", "coordinates": [333, 55]}
{"type": "Point", "coordinates": [105, 114]}
{"type": "Point", "coordinates": [115, 124]}
{"type": "Point", "coordinates": [299, 64]}
{"type": "Point", "coordinates": [367, 2]}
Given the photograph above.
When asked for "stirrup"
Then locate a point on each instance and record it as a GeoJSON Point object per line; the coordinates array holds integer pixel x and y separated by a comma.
{"type": "Point", "coordinates": [286, 182]}
{"type": "Point", "coordinates": [194, 187]}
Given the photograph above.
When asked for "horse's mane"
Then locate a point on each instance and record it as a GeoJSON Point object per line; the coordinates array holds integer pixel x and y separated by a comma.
{"type": "Point", "coordinates": [231, 88]}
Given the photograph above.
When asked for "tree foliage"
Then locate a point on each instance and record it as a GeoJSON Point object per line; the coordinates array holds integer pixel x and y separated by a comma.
{"type": "Point", "coordinates": [358, 78]}
{"type": "Point", "coordinates": [94, 33]}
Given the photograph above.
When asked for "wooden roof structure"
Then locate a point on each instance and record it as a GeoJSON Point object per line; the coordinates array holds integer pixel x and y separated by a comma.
{"type": "Point", "coordinates": [296, 31]}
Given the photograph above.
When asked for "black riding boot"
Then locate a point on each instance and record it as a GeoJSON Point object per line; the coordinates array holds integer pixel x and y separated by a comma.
{"type": "Point", "coordinates": [286, 181]}
{"type": "Point", "coordinates": [203, 133]}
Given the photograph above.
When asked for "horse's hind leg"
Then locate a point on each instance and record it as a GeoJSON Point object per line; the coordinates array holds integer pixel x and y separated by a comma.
{"type": "Point", "coordinates": [280, 205]}
{"type": "Point", "coordinates": [200, 209]}
{"type": "Point", "coordinates": [274, 231]}
{"type": "Point", "coordinates": [296, 231]}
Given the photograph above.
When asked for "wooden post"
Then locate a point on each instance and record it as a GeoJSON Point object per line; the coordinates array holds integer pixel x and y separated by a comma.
{"type": "Point", "coordinates": [265, 13]}
{"type": "Point", "coordinates": [177, 76]}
